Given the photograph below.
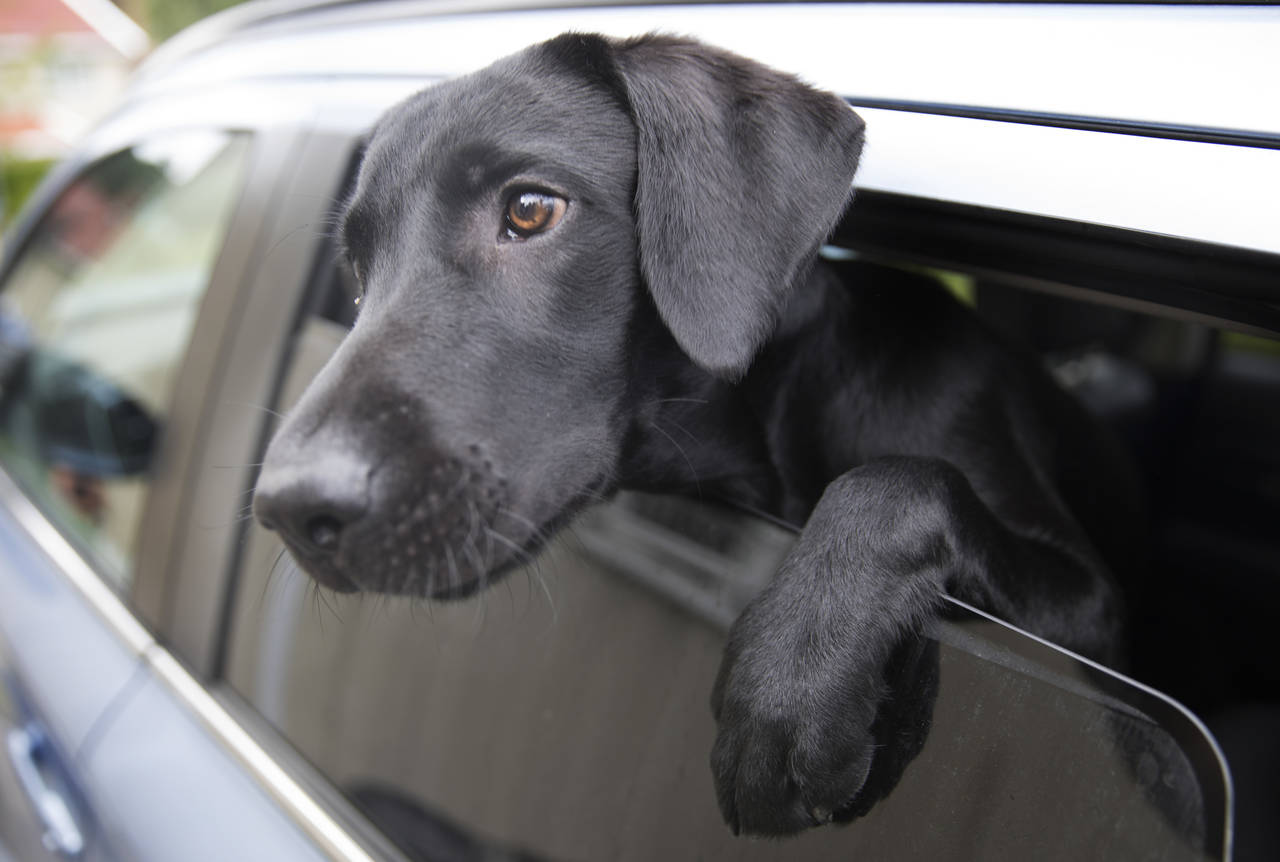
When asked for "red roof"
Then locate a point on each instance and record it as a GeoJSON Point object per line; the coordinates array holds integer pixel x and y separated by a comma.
{"type": "Point", "coordinates": [39, 18]}
{"type": "Point", "coordinates": [16, 123]}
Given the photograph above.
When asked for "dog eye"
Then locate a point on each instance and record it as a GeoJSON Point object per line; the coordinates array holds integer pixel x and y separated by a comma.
{"type": "Point", "coordinates": [530, 212]}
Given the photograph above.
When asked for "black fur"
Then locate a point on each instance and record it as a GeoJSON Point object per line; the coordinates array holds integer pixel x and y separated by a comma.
{"type": "Point", "coordinates": [674, 333]}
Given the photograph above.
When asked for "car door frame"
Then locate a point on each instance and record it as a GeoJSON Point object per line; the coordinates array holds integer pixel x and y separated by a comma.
{"type": "Point", "coordinates": [123, 626]}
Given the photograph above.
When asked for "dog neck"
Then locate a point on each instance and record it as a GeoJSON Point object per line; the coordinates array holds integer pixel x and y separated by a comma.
{"type": "Point", "coordinates": [770, 442]}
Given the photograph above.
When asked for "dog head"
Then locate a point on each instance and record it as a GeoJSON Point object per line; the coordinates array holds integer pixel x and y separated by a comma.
{"type": "Point", "coordinates": [513, 232]}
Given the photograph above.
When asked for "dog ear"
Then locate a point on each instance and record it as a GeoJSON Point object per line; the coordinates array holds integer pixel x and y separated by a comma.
{"type": "Point", "coordinates": [742, 174]}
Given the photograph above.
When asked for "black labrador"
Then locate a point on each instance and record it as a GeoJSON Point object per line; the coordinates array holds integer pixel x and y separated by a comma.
{"type": "Point", "coordinates": [592, 241]}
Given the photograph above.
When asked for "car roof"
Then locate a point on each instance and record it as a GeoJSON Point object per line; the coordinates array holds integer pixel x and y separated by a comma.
{"type": "Point", "coordinates": [1142, 118]}
{"type": "Point", "coordinates": [1183, 65]}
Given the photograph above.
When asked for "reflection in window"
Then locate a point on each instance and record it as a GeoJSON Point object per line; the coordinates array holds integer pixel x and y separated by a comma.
{"type": "Point", "coordinates": [95, 317]}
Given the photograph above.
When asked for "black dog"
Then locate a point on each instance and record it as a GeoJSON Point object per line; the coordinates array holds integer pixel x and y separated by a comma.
{"type": "Point", "coordinates": [592, 239]}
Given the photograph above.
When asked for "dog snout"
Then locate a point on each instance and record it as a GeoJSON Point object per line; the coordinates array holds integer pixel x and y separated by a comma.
{"type": "Point", "coordinates": [312, 502]}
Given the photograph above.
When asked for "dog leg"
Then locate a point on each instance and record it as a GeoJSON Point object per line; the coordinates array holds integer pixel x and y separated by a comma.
{"type": "Point", "coordinates": [810, 662]}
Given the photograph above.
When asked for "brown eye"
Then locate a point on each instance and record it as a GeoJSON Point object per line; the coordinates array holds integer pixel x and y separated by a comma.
{"type": "Point", "coordinates": [532, 212]}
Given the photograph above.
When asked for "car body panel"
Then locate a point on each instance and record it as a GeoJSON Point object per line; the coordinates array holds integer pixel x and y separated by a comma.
{"type": "Point", "coordinates": [1004, 57]}
{"type": "Point", "coordinates": [855, 48]}
{"type": "Point", "coordinates": [164, 788]}
{"type": "Point", "coordinates": [161, 769]}
{"type": "Point", "coordinates": [52, 635]}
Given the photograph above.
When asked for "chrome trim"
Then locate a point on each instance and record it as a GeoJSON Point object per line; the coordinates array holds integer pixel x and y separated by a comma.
{"type": "Point", "coordinates": [316, 823]}
{"type": "Point", "coordinates": [1081, 122]}
{"type": "Point", "coordinates": [135, 637]}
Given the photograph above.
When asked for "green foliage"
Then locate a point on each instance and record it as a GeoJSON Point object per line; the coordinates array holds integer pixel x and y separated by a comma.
{"type": "Point", "coordinates": [1242, 343]}
{"type": "Point", "coordinates": [18, 178]}
{"type": "Point", "coordinates": [163, 18]}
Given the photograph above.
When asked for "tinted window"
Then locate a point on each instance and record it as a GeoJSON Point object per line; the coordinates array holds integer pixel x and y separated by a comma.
{"type": "Point", "coordinates": [95, 316]}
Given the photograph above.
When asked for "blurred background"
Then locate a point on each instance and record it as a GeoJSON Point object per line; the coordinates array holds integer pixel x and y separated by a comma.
{"type": "Point", "coordinates": [63, 63]}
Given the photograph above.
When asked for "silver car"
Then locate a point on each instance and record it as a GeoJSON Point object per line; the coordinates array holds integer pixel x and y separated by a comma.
{"type": "Point", "coordinates": [1100, 182]}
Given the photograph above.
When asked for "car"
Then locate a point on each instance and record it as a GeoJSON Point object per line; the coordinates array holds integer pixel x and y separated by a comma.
{"type": "Point", "coordinates": [1098, 182]}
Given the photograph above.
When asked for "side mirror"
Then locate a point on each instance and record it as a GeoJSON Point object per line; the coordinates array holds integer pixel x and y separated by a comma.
{"type": "Point", "coordinates": [86, 422]}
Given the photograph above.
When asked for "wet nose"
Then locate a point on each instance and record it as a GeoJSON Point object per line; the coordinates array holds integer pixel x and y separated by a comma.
{"type": "Point", "coordinates": [312, 503]}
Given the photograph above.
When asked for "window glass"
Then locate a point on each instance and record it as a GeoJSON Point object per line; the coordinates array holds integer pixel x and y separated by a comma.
{"type": "Point", "coordinates": [95, 316]}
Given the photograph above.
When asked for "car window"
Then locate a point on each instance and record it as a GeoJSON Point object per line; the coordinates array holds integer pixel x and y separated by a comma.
{"type": "Point", "coordinates": [566, 713]}
{"type": "Point", "coordinates": [95, 316]}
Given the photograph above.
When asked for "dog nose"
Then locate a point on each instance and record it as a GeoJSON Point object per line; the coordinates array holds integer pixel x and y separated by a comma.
{"type": "Point", "coordinates": [312, 505]}
{"type": "Point", "coordinates": [324, 531]}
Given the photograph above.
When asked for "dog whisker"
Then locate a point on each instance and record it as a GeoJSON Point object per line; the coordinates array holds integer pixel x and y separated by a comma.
{"type": "Point", "coordinates": [536, 575]}
{"type": "Point", "coordinates": [410, 572]}
{"type": "Point", "coordinates": [472, 550]}
{"type": "Point", "coordinates": [472, 517]}
{"type": "Point", "coordinates": [488, 538]}
{"type": "Point", "coordinates": [271, 572]}
{"type": "Point", "coordinates": [479, 616]}
{"type": "Point", "coordinates": [264, 409]}
{"type": "Point", "coordinates": [238, 517]}
{"type": "Point", "coordinates": [685, 431]}
{"type": "Point", "coordinates": [293, 233]}
{"type": "Point", "coordinates": [535, 531]}
{"type": "Point", "coordinates": [532, 567]}
{"type": "Point", "coordinates": [313, 593]}
{"type": "Point", "coordinates": [457, 489]}
{"type": "Point", "coordinates": [525, 557]}
{"type": "Point", "coordinates": [455, 577]}
{"type": "Point", "coordinates": [569, 536]}
{"type": "Point", "coordinates": [511, 596]}
{"type": "Point", "coordinates": [530, 564]}
{"type": "Point", "coordinates": [325, 598]}
{"type": "Point", "coordinates": [692, 470]}
{"type": "Point", "coordinates": [510, 544]}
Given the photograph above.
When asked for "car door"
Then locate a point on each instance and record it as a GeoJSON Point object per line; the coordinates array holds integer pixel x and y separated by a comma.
{"type": "Point", "coordinates": [114, 296]}
{"type": "Point", "coordinates": [570, 724]}
{"type": "Point", "coordinates": [566, 716]}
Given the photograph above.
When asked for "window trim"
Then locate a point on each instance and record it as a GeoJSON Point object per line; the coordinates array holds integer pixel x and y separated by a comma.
{"type": "Point", "coordinates": [1235, 288]}
{"type": "Point", "coordinates": [1079, 122]}
{"type": "Point", "coordinates": [192, 591]}
{"type": "Point", "coordinates": [172, 500]}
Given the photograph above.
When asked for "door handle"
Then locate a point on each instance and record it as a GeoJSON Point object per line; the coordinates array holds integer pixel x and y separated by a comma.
{"type": "Point", "coordinates": [28, 750]}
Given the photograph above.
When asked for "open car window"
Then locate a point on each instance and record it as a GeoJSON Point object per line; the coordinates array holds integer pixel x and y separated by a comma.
{"type": "Point", "coordinates": [565, 714]}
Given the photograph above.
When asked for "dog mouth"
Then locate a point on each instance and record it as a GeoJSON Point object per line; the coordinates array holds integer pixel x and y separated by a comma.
{"type": "Point", "coordinates": [449, 535]}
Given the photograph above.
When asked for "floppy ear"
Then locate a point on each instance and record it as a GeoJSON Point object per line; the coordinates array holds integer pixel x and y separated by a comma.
{"type": "Point", "coordinates": [742, 174]}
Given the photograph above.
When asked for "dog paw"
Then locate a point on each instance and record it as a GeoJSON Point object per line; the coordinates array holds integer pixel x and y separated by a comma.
{"type": "Point", "coordinates": [812, 731]}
